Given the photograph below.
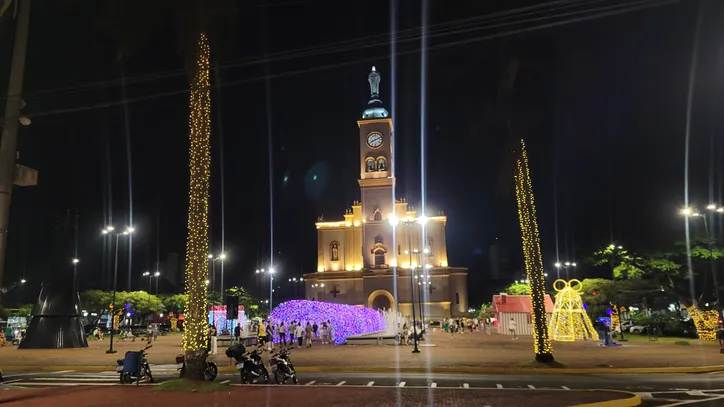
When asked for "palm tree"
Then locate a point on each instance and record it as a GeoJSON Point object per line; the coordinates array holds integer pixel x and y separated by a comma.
{"type": "Point", "coordinates": [198, 23]}
{"type": "Point", "coordinates": [516, 162]}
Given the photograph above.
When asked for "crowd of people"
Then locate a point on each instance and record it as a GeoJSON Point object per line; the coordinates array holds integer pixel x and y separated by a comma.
{"type": "Point", "coordinates": [296, 334]}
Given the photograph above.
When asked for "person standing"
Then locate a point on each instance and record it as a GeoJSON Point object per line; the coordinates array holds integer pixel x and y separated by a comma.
{"type": "Point", "coordinates": [476, 324]}
{"type": "Point", "coordinates": [282, 334]}
{"type": "Point", "coordinates": [299, 334]}
{"type": "Point", "coordinates": [261, 333]}
{"type": "Point", "coordinates": [270, 337]}
{"type": "Point", "coordinates": [323, 332]}
{"type": "Point", "coordinates": [512, 328]}
{"type": "Point", "coordinates": [315, 328]}
{"type": "Point", "coordinates": [292, 333]}
{"type": "Point", "coordinates": [308, 335]}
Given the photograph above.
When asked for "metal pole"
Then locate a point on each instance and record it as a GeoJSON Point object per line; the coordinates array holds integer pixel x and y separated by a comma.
{"type": "Point", "coordinates": [213, 274]}
{"type": "Point", "coordinates": [271, 291]}
{"type": "Point", "coordinates": [156, 285]}
{"type": "Point", "coordinates": [222, 280]}
{"type": "Point", "coordinates": [8, 144]}
{"type": "Point", "coordinates": [113, 298]}
{"type": "Point", "coordinates": [412, 291]}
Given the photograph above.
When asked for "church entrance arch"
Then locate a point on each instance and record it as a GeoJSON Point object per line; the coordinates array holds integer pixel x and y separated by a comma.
{"type": "Point", "coordinates": [381, 299]}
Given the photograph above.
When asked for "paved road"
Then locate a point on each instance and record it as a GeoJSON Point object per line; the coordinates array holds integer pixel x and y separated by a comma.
{"type": "Point", "coordinates": [656, 390]}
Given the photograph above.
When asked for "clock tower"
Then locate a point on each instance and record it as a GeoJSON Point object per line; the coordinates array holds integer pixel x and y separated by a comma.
{"type": "Point", "coordinates": [376, 179]}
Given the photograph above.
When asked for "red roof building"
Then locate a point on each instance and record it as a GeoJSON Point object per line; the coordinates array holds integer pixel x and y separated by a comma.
{"type": "Point", "coordinates": [513, 313]}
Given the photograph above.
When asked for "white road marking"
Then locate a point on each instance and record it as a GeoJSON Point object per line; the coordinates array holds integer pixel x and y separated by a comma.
{"type": "Point", "coordinates": [370, 384]}
{"type": "Point", "coordinates": [646, 396]}
{"type": "Point", "coordinates": [310, 383]}
{"type": "Point", "coordinates": [225, 381]}
{"type": "Point", "coordinates": [681, 403]}
{"type": "Point", "coordinates": [64, 371]}
{"type": "Point", "coordinates": [500, 386]}
{"type": "Point", "coordinates": [74, 379]}
{"type": "Point", "coordinates": [530, 386]}
{"type": "Point", "coordinates": [696, 393]}
{"type": "Point", "coordinates": [402, 384]}
{"type": "Point", "coordinates": [68, 384]}
{"type": "Point", "coordinates": [341, 383]}
{"type": "Point", "coordinates": [12, 381]}
{"type": "Point", "coordinates": [466, 386]}
{"type": "Point", "coordinates": [433, 385]}
{"type": "Point", "coordinates": [565, 388]}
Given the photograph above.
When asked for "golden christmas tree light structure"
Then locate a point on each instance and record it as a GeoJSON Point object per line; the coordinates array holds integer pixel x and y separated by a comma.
{"type": "Point", "coordinates": [533, 257]}
{"type": "Point", "coordinates": [570, 321]}
{"type": "Point", "coordinates": [197, 243]}
{"type": "Point", "coordinates": [706, 322]}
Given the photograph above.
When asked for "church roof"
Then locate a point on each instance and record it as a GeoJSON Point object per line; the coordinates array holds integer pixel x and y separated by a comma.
{"type": "Point", "coordinates": [518, 303]}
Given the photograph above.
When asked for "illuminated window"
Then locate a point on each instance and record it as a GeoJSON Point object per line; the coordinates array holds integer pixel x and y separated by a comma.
{"type": "Point", "coordinates": [334, 250]}
{"type": "Point", "coordinates": [371, 167]}
{"type": "Point", "coordinates": [379, 257]}
{"type": "Point", "coordinates": [381, 164]}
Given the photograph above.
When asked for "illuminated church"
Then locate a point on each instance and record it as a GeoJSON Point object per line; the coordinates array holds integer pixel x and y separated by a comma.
{"type": "Point", "coordinates": [381, 237]}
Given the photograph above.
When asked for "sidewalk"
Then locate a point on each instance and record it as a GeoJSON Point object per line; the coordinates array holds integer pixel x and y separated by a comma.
{"type": "Point", "coordinates": [273, 396]}
{"type": "Point", "coordinates": [464, 353]}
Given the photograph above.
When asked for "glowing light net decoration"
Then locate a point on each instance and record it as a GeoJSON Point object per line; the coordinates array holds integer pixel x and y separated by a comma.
{"type": "Point", "coordinates": [570, 320]}
{"type": "Point", "coordinates": [346, 320]}
{"type": "Point", "coordinates": [705, 321]}
{"type": "Point", "coordinates": [217, 318]}
{"type": "Point", "coordinates": [532, 256]}
{"type": "Point", "coordinates": [197, 242]}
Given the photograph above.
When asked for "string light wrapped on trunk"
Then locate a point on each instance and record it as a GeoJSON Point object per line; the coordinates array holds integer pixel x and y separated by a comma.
{"type": "Point", "coordinates": [532, 256]}
{"type": "Point", "coordinates": [197, 243]}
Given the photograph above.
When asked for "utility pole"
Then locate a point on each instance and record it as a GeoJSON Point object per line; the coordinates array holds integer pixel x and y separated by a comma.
{"type": "Point", "coordinates": [9, 142]}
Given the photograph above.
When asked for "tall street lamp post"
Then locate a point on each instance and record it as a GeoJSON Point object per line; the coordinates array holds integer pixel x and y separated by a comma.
{"type": "Point", "coordinates": [408, 221]}
{"type": "Point", "coordinates": [112, 231]}
{"type": "Point", "coordinates": [294, 281]}
{"type": "Point", "coordinates": [566, 265]}
{"type": "Point", "coordinates": [75, 262]}
{"type": "Point", "coordinates": [688, 212]}
{"type": "Point", "coordinates": [157, 275]}
{"type": "Point", "coordinates": [212, 260]}
{"type": "Point", "coordinates": [269, 273]}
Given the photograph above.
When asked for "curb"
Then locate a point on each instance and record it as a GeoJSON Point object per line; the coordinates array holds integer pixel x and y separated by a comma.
{"type": "Point", "coordinates": [633, 401]}
{"type": "Point", "coordinates": [439, 369]}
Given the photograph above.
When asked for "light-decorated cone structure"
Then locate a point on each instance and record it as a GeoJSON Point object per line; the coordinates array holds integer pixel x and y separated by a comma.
{"type": "Point", "coordinates": [570, 320]}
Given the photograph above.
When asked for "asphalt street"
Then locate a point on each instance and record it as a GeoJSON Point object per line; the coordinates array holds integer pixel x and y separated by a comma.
{"type": "Point", "coordinates": [697, 390]}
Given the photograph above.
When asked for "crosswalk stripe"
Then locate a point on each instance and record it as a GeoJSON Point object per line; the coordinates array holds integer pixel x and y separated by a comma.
{"type": "Point", "coordinates": [433, 385]}
{"type": "Point", "coordinates": [530, 386]}
{"type": "Point", "coordinates": [466, 386]}
{"type": "Point", "coordinates": [66, 384]}
{"type": "Point", "coordinates": [370, 384]}
{"type": "Point", "coordinates": [565, 388]}
{"type": "Point", "coordinates": [225, 381]}
{"type": "Point", "coordinates": [646, 396]}
{"type": "Point", "coordinates": [74, 379]}
{"type": "Point", "coordinates": [500, 386]}
{"type": "Point", "coordinates": [402, 384]}
{"type": "Point", "coordinates": [63, 371]}
{"type": "Point", "coordinates": [696, 393]}
{"type": "Point", "coordinates": [341, 383]}
{"type": "Point", "coordinates": [310, 383]}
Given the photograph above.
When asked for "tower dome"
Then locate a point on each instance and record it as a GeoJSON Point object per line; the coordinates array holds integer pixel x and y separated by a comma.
{"type": "Point", "coordinates": [375, 110]}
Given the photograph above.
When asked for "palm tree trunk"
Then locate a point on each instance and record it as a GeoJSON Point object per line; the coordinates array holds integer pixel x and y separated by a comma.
{"type": "Point", "coordinates": [532, 256]}
{"type": "Point", "coordinates": [195, 337]}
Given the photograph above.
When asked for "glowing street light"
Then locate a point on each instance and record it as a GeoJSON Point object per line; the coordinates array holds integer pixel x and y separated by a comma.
{"type": "Point", "coordinates": [110, 229]}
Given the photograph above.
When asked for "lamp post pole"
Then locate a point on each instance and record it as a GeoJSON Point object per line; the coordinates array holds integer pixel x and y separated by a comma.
{"type": "Point", "coordinates": [412, 288]}
{"type": "Point", "coordinates": [710, 243]}
{"type": "Point", "coordinates": [108, 230]}
{"type": "Point", "coordinates": [75, 277]}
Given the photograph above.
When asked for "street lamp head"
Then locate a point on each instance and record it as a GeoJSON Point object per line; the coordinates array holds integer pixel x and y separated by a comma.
{"type": "Point", "coordinates": [711, 207]}
{"type": "Point", "coordinates": [104, 231]}
{"type": "Point", "coordinates": [620, 247]}
{"type": "Point", "coordinates": [393, 220]}
{"type": "Point", "coordinates": [130, 230]}
{"type": "Point", "coordinates": [22, 281]}
{"type": "Point", "coordinates": [222, 256]}
{"type": "Point", "coordinates": [545, 274]}
{"type": "Point", "coordinates": [146, 274]}
{"type": "Point", "coordinates": [271, 271]}
{"type": "Point", "coordinates": [125, 233]}
{"type": "Point", "coordinates": [257, 271]}
{"type": "Point", "coordinates": [558, 265]}
{"type": "Point", "coordinates": [210, 256]}
{"type": "Point", "coordinates": [422, 220]}
{"type": "Point", "coordinates": [686, 211]}
{"type": "Point", "coordinates": [76, 261]}
{"type": "Point", "coordinates": [720, 209]}
{"type": "Point", "coordinates": [263, 270]}
{"type": "Point", "coordinates": [568, 263]}
{"type": "Point", "coordinates": [426, 250]}
{"type": "Point", "coordinates": [573, 264]}
{"type": "Point", "coordinates": [110, 228]}
{"type": "Point", "coordinates": [156, 274]}
{"type": "Point", "coordinates": [301, 279]}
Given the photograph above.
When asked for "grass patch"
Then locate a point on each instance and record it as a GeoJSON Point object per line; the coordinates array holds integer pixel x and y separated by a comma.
{"type": "Point", "coordinates": [538, 365]}
{"type": "Point", "coordinates": [188, 386]}
{"type": "Point", "coordinates": [663, 339]}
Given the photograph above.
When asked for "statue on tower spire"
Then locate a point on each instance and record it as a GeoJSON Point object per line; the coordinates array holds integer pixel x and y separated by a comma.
{"type": "Point", "coordinates": [375, 109]}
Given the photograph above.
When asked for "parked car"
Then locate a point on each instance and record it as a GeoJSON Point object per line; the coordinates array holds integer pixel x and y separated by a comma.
{"type": "Point", "coordinates": [637, 329]}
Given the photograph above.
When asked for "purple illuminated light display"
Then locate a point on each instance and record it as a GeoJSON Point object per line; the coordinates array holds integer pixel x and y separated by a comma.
{"type": "Point", "coordinates": [346, 320]}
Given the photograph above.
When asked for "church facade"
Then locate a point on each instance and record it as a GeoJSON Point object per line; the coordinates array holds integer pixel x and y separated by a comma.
{"type": "Point", "coordinates": [383, 253]}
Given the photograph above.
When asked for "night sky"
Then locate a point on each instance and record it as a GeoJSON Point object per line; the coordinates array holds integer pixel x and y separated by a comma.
{"type": "Point", "coordinates": [606, 101]}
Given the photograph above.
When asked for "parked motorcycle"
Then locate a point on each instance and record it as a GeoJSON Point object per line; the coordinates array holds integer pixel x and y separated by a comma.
{"type": "Point", "coordinates": [282, 367]}
{"type": "Point", "coordinates": [144, 371]}
{"type": "Point", "coordinates": [250, 365]}
{"type": "Point", "coordinates": [210, 372]}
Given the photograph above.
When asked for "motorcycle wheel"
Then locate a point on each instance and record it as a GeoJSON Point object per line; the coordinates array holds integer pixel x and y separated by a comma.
{"type": "Point", "coordinates": [126, 378]}
{"type": "Point", "coordinates": [294, 378]}
{"type": "Point", "coordinates": [244, 377]}
{"type": "Point", "coordinates": [211, 371]}
{"type": "Point", "coordinates": [265, 375]}
{"type": "Point", "coordinates": [279, 377]}
{"type": "Point", "coordinates": [182, 373]}
{"type": "Point", "coordinates": [149, 375]}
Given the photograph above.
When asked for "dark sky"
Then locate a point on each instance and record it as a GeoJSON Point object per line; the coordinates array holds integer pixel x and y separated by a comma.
{"type": "Point", "coordinates": [607, 99]}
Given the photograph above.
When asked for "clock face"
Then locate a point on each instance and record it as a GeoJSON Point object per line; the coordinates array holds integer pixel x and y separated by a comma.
{"type": "Point", "coordinates": [374, 140]}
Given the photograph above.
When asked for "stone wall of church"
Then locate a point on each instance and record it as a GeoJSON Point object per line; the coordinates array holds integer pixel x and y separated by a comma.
{"type": "Point", "coordinates": [373, 231]}
{"type": "Point", "coordinates": [349, 288]}
{"type": "Point", "coordinates": [458, 291]}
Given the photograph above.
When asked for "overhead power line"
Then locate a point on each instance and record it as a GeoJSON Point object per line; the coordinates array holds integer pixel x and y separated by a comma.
{"type": "Point", "coordinates": [632, 7]}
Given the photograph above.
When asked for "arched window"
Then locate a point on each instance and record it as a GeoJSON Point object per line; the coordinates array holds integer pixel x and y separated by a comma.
{"type": "Point", "coordinates": [377, 216]}
{"type": "Point", "coordinates": [370, 165]}
{"type": "Point", "coordinates": [381, 164]}
{"type": "Point", "coordinates": [334, 251]}
{"type": "Point", "coordinates": [380, 252]}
